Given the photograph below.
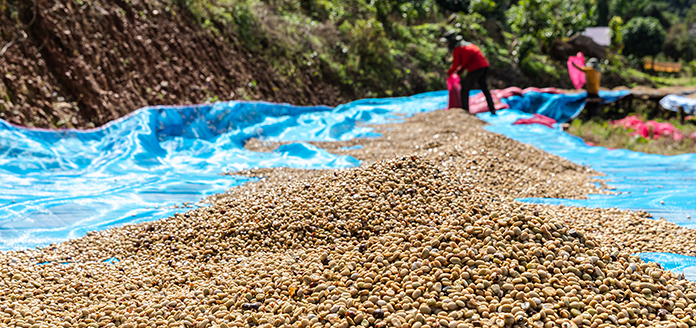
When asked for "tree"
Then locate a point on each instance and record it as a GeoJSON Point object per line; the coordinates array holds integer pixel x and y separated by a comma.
{"type": "Point", "coordinates": [643, 36]}
{"type": "Point", "coordinates": [691, 15]}
{"type": "Point", "coordinates": [615, 26]}
{"type": "Point", "coordinates": [602, 12]}
{"type": "Point", "coordinates": [680, 44]}
{"type": "Point", "coordinates": [454, 5]}
{"type": "Point", "coordinates": [548, 20]}
{"type": "Point", "coordinates": [657, 10]}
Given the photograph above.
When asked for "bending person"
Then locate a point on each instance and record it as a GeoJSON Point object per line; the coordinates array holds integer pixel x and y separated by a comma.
{"type": "Point", "coordinates": [593, 77]}
{"type": "Point", "coordinates": [467, 56]}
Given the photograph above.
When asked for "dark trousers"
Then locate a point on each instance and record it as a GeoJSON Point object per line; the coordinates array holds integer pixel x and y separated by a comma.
{"type": "Point", "coordinates": [479, 76]}
{"type": "Point", "coordinates": [592, 104]}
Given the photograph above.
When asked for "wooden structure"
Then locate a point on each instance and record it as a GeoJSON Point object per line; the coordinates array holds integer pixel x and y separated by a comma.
{"type": "Point", "coordinates": [662, 66]}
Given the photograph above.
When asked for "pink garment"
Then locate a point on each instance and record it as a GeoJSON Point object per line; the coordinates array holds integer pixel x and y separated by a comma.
{"type": "Point", "coordinates": [477, 103]}
{"type": "Point", "coordinates": [455, 89]}
{"type": "Point", "coordinates": [577, 76]}
{"type": "Point", "coordinates": [549, 90]}
{"type": "Point", "coordinates": [645, 129]}
{"type": "Point", "coordinates": [537, 119]}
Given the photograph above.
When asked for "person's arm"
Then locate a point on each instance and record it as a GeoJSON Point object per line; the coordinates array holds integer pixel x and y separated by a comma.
{"type": "Point", "coordinates": [583, 68]}
{"type": "Point", "coordinates": [455, 63]}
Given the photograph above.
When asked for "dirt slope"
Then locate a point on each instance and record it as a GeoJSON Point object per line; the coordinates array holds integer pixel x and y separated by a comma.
{"type": "Point", "coordinates": [83, 63]}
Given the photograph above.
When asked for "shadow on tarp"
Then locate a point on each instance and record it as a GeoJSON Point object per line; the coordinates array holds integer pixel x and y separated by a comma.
{"type": "Point", "coordinates": [59, 184]}
{"type": "Point", "coordinates": [663, 186]}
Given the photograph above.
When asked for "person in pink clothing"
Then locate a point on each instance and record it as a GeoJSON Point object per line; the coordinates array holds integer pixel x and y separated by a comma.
{"type": "Point", "coordinates": [467, 56]}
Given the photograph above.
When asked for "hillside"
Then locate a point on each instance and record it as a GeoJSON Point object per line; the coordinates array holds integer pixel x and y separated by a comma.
{"type": "Point", "coordinates": [71, 64]}
{"type": "Point", "coordinates": [82, 63]}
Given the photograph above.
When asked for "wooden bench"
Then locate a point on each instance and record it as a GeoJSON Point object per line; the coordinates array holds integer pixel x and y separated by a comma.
{"type": "Point", "coordinates": [662, 66]}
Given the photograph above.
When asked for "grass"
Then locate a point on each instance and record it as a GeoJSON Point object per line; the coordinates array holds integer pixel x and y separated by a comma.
{"type": "Point", "coordinates": [602, 133]}
{"type": "Point", "coordinates": [673, 81]}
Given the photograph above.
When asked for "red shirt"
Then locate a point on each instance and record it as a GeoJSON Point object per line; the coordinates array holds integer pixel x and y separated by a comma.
{"type": "Point", "coordinates": [467, 58]}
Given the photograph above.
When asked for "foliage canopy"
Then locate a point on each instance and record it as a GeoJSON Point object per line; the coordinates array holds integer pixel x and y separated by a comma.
{"type": "Point", "coordinates": [643, 36]}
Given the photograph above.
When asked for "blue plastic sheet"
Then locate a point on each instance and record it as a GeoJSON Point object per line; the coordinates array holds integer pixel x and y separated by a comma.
{"type": "Point", "coordinates": [661, 185]}
{"type": "Point", "coordinates": [674, 102]}
{"type": "Point", "coordinates": [645, 181]}
{"type": "Point", "coordinates": [560, 107]}
{"type": "Point", "coordinates": [56, 185]}
{"type": "Point", "coordinates": [673, 262]}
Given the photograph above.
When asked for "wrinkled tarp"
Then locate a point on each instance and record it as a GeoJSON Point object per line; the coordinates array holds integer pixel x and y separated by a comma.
{"type": "Point", "coordinates": [559, 106]}
{"type": "Point", "coordinates": [663, 186]}
{"type": "Point", "coordinates": [478, 104]}
{"type": "Point", "coordinates": [673, 102]}
{"type": "Point", "coordinates": [645, 129]}
{"type": "Point", "coordinates": [56, 185]}
{"type": "Point", "coordinates": [547, 101]}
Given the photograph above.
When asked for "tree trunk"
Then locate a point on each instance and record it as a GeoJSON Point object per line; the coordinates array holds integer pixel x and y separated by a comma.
{"type": "Point", "coordinates": [653, 64]}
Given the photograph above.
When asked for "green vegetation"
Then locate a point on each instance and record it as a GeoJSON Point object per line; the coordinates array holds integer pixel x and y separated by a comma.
{"type": "Point", "coordinates": [615, 26]}
{"type": "Point", "coordinates": [680, 44]}
{"type": "Point", "coordinates": [393, 47]}
{"type": "Point", "coordinates": [385, 48]}
{"type": "Point", "coordinates": [548, 20]}
{"type": "Point", "coordinates": [643, 36]}
{"type": "Point", "coordinates": [602, 133]}
{"type": "Point", "coordinates": [676, 17]}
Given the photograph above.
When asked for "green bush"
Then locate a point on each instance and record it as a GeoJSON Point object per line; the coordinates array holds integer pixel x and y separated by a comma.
{"type": "Point", "coordinates": [548, 20]}
{"type": "Point", "coordinates": [526, 45]}
{"type": "Point", "coordinates": [679, 44]}
{"type": "Point", "coordinates": [538, 67]}
{"type": "Point", "coordinates": [615, 25]}
{"type": "Point", "coordinates": [643, 36]}
{"type": "Point", "coordinates": [691, 15]}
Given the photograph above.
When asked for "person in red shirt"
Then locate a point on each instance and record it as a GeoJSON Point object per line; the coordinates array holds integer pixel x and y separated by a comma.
{"type": "Point", "coordinates": [467, 56]}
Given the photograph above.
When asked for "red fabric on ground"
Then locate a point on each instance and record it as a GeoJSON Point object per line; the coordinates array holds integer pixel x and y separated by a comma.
{"type": "Point", "coordinates": [537, 119]}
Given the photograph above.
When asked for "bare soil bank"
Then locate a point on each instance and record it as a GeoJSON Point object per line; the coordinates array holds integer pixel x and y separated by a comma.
{"type": "Point", "coordinates": [63, 64]}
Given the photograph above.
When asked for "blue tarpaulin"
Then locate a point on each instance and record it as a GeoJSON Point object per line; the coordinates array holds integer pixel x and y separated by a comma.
{"type": "Point", "coordinates": [674, 102]}
{"type": "Point", "coordinates": [663, 186]}
{"type": "Point", "coordinates": [56, 185]}
{"type": "Point", "coordinates": [561, 107]}
{"type": "Point", "coordinates": [674, 262]}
